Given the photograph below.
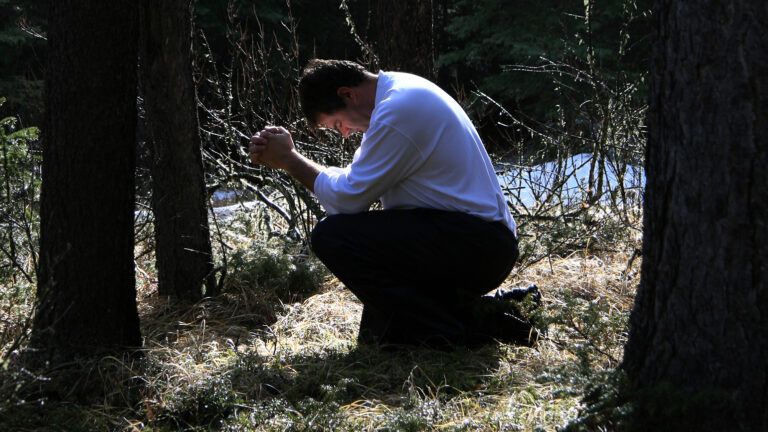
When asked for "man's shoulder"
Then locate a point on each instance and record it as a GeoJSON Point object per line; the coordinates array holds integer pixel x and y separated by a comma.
{"type": "Point", "coordinates": [406, 85]}
{"type": "Point", "coordinates": [407, 97]}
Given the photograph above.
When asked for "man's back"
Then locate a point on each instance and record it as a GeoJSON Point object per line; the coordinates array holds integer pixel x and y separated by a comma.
{"type": "Point", "coordinates": [456, 174]}
{"type": "Point", "coordinates": [420, 151]}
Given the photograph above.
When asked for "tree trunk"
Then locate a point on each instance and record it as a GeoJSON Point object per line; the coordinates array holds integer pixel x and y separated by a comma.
{"type": "Point", "coordinates": [404, 36]}
{"type": "Point", "coordinates": [86, 282]}
{"type": "Point", "coordinates": [183, 246]}
{"type": "Point", "coordinates": [698, 344]}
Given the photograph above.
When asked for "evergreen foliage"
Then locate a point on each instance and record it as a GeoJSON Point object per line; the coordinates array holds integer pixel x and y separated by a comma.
{"type": "Point", "coordinates": [22, 46]}
{"type": "Point", "coordinates": [19, 198]}
{"type": "Point", "coordinates": [19, 228]}
{"type": "Point", "coordinates": [321, 26]}
{"type": "Point", "coordinates": [486, 39]}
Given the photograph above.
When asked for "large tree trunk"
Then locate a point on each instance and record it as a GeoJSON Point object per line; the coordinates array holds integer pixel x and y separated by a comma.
{"type": "Point", "coordinates": [86, 282]}
{"type": "Point", "coordinates": [404, 36]}
{"type": "Point", "coordinates": [698, 343]}
{"type": "Point", "coordinates": [183, 246]}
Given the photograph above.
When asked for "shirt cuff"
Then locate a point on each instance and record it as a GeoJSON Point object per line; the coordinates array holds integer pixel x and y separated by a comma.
{"type": "Point", "coordinates": [323, 192]}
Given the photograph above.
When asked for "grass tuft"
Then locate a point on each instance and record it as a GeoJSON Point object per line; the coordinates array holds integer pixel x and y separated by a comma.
{"type": "Point", "coordinates": [277, 351]}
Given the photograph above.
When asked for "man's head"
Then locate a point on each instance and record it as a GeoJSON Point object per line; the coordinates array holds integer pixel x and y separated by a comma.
{"type": "Point", "coordinates": [337, 94]}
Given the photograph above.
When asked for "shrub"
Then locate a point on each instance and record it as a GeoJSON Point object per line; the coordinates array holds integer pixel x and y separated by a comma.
{"type": "Point", "coordinates": [270, 273]}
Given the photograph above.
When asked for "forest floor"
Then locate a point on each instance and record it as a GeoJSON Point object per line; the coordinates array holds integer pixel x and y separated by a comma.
{"type": "Point", "coordinates": [236, 362]}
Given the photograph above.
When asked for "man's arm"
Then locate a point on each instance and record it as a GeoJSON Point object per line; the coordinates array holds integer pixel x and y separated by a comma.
{"type": "Point", "coordinates": [273, 147]}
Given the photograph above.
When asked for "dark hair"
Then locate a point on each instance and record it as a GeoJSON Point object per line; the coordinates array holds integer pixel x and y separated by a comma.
{"type": "Point", "coordinates": [319, 82]}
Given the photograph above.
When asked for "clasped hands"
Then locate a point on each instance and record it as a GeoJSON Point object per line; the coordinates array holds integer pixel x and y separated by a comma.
{"type": "Point", "coordinates": [272, 147]}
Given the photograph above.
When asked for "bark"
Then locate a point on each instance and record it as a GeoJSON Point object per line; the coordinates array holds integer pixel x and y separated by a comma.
{"type": "Point", "coordinates": [698, 343]}
{"type": "Point", "coordinates": [183, 247]}
{"type": "Point", "coordinates": [86, 285]}
{"type": "Point", "coordinates": [404, 36]}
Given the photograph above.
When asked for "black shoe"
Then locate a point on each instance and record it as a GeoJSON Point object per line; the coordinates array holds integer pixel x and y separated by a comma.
{"type": "Point", "coordinates": [519, 294]}
{"type": "Point", "coordinates": [516, 330]}
{"type": "Point", "coordinates": [500, 320]}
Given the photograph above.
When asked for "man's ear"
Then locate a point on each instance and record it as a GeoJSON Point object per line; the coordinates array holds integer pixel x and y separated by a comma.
{"type": "Point", "coordinates": [347, 94]}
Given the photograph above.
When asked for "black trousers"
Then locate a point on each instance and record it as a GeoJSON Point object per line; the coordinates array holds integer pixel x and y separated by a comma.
{"type": "Point", "coordinates": [419, 273]}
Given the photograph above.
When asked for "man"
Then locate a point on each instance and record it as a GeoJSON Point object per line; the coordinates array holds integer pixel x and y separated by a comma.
{"type": "Point", "coordinates": [445, 237]}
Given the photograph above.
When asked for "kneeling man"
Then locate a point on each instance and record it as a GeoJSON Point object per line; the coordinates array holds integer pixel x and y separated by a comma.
{"type": "Point", "coordinates": [445, 235]}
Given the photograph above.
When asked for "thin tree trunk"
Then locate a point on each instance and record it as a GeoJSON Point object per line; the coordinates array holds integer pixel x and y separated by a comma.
{"type": "Point", "coordinates": [404, 36]}
{"type": "Point", "coordinates": [698, 344]}
{"type": "Point", "coordinates": [86, 285]}
{"type": "Point", "coordinates": [183, 247]}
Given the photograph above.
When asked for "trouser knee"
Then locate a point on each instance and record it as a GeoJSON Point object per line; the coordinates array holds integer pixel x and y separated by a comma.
{"type": "Point", "coordinates": [324, 239]}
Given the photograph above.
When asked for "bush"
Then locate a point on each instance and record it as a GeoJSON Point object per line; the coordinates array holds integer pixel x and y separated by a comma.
{"type": "Point", "coordinates": [270, 273]}
{"type": "Point", "coordinates": [19, 229]}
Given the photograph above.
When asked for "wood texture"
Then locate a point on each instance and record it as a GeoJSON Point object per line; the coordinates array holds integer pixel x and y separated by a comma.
{"type": "Point", "coordinates": [700, 322]}
{"type": "Point", "coordinates": [404, 41]}
{"type": "Point", "coordinates": [182, 242]}
{"type": "Point", "coordinates": [86, 282]}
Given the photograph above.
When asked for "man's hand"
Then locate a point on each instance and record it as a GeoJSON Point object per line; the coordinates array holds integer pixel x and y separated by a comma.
{"type": "Point", "coordinates": [273, 147]}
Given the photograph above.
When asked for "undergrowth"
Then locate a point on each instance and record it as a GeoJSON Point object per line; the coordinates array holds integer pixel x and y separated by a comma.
{"type": "Point", "coordinates": [277, 352]}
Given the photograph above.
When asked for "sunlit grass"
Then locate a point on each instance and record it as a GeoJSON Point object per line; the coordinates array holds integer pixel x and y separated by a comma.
{"type": "Point", "coordinates": [249, 361]}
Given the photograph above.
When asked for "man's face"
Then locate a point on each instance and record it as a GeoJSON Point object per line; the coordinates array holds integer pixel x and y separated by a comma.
{"type": "Point", "coordinates": [345, 121]}
{"type": "Point", "coordinates": [355, 117]}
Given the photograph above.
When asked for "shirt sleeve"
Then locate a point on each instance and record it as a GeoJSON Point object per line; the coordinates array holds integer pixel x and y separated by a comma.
{"type": "Point", "coordinates": [385, 158]}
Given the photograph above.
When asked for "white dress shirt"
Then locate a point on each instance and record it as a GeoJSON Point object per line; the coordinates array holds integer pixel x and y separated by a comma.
{"type": "Point", "coordinates": [420, 151]}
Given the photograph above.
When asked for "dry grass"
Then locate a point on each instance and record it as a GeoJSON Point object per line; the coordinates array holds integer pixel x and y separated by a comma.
{"type": "Point", "coordinates": [305, 372]}
{"type": "Point", "coordinates": [245, 361]}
